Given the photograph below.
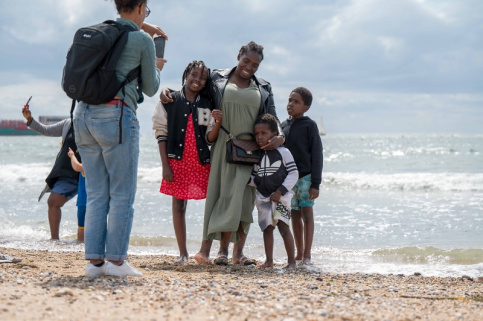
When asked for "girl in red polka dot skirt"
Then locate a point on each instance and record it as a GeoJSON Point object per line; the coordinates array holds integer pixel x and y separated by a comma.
{"type": "Point", "coordinates": [184, 129]}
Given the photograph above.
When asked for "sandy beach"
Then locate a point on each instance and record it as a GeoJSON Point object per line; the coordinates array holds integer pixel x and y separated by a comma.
{"type": "Point", "coordinates": [51, 286]}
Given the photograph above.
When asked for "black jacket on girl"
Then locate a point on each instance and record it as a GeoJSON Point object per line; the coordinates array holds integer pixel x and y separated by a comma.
{"type": "Point", "coordinates": [170, 122]}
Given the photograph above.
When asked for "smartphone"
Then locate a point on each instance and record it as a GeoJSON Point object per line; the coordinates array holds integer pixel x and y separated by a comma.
{"type": "Point", "coordinates": [28, 100]}
{"type": "Point", "coordinates": [159, 44]}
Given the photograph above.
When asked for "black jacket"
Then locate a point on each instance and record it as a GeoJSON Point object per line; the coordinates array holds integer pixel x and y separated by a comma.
{"type": "Point", "coordinates": [62, 166]}
{"type": "Point", "coordinates": [276, 171]}
{"type": "Point", "coordinates": [170, 122]}
{"type": "Point", "coordinates": [302, 139]}
{"type": "Point", "coordinates": [219, 79]}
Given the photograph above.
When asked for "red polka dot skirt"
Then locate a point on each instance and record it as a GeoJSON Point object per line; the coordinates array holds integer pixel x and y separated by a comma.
{"type": "Point", "coordinates": [190, 178]}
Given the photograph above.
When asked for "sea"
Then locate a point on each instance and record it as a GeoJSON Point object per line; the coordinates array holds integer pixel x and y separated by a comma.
{"type": "Point", "coordinates": [388, 204]}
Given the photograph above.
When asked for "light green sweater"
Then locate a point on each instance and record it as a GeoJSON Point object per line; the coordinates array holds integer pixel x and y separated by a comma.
{"type": "Point", "coordinates": [139, 50]}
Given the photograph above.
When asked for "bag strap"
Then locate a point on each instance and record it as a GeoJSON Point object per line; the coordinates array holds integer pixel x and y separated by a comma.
{"type": "Point", "coordinates": [72, 112]}
{"type": "Point", "coordinates": [230, 136]}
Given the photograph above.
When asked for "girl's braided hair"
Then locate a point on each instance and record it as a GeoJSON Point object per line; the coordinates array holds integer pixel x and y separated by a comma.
{"type": "Point", "coordinates": [198, 64]}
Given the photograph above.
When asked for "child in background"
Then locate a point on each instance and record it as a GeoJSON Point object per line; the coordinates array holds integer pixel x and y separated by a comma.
{"type": "Point", "coordinates": [81, 195]}
{"type": "Point", "coordinates": [302, 138]}
{"type": "Point", "coordinates": [184, 129]}
{"type": "Point", "coordinates": [274, 178]}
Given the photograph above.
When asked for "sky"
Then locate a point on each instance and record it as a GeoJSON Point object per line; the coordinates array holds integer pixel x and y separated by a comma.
{"type": "Point", "coordinates": [373, 66]}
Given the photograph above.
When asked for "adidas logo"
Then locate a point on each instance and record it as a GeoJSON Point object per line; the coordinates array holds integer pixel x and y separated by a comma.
{"type": "Point", "coordinates": [268, 169]}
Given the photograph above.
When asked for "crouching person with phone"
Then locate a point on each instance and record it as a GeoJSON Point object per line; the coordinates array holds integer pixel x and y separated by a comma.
{"type": "Point", "coordinates": [62, 180]}
{"type": "Point", "coordinates": [107, 136]}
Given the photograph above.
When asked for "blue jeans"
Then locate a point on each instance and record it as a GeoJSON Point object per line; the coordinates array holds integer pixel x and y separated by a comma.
{"type": "Point", "coordinates": [111, 176]}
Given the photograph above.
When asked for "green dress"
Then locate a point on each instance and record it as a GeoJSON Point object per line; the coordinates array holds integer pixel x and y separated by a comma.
{"type": "Point", "coordinates": [229, 200]}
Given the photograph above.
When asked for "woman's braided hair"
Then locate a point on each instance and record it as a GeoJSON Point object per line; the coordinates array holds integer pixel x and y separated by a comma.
{"type": "Point", "coordinates": [251, 46]}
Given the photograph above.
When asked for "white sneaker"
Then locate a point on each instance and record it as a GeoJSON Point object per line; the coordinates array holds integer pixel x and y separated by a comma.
{"type": "Point", "coordinates": [123, 270]}
{"type": "Point", "coordinates": [95, 271]}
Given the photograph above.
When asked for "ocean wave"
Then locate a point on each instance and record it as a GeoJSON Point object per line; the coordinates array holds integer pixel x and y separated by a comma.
{"type": "Point", "coordinates": [429, 255]}
{"type": "Point", "coordinates": [413, 153]}
{"type": "Point", "coordinates": [150, 174]}
{"type": "Point", "coordinates": [31, 174]}
{"type": "Point", "coordinates": [37, 172]}
{"type": "Point", "coordinates": [20, 173]}
{"type": "Point", "coordinates": [404, 181]}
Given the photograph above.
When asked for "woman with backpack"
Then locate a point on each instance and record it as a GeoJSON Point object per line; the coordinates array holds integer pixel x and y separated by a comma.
{"type": "Point", "coordinates": [111, 166]}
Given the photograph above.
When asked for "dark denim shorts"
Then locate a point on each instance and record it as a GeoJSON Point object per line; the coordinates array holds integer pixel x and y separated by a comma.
{"type": "Point", "coordinates": [66, 186]}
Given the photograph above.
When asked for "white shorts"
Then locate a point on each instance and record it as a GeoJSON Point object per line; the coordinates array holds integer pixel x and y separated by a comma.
{"type": "Point", "coordinates": [269, 213]}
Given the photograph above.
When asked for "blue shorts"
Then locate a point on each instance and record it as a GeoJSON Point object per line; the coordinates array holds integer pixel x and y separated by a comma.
{"type": "Point", "coordinates": [66, 187]}
{"type": "Point", "coordinates": [301, 193]}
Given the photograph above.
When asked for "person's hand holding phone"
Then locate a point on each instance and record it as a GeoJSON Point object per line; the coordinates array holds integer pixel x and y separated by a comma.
{"type": "Point", "coordinates": [160, 63]}
{"type": "Point", "coordinates": [153, 30]}
{"type": "Point", "coordinates": [26, 111]}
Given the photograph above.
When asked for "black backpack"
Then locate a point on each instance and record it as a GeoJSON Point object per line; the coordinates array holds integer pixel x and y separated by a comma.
{"type": "Point", "coordinates": [90, 70]}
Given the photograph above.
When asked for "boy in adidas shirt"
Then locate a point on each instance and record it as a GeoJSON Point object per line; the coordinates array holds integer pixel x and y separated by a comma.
{"type": "Point", "coordinates": [274, 178]}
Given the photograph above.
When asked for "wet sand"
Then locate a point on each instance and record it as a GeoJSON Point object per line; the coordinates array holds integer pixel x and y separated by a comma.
{"type": "Point", "coordinates": [52, 286]}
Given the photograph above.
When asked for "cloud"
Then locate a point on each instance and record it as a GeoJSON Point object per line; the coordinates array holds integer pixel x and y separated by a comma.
{"type": "Point", "coordinates": [48, 98]}
{"type": "Point", "coordinates": [381, 41]}
{"type": "Point", "coordinates": [50, 22]}
{"type": "Point", "coordinates": [372, 65]}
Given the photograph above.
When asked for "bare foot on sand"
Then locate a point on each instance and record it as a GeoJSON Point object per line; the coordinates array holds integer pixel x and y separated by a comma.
{"type": "Point", "coordinates": [306, 261]}
{"type": "Point", "coordinates": [181, 260]}
{"type": "Point", "coordinates": [265, 265]}
{"type": "Point", "coordinates": [201, 259]}
{"type": "Point", "coordinates": [291, 266]}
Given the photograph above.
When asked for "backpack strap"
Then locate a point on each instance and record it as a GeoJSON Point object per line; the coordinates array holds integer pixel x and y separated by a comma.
{"type": "Point", "coordinates": [113, 54]}
{"type": "Point", "coordinates": [72, 113]}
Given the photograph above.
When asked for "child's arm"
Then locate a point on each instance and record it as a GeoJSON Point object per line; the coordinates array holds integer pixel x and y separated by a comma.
{"type": "Point", "coordinates": [292, 176]}
{"type": "Point", "coordinates": [317, 162]}
{"type": "Point", "coordinates": [212, 134]}
{"type": "Point", "coordinates": [160, 126]}
{"type": "Point", "coordinates": [78, 167]}
{"type": "Point", "coordinates": [167, 171]}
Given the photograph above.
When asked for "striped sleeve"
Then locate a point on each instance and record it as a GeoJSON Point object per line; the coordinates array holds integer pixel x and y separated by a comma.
{"type": "Point", "coordinates": [293, 174]}
{"type": "Point", "coordinates": [251, 181]}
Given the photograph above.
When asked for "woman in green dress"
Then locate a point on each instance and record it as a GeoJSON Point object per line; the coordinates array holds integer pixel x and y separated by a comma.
{"type": "Point", "coordinates": [241, 96]}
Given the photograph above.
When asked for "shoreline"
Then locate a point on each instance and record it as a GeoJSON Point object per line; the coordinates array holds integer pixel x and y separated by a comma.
{"type": "Point", "coordinates": [51, 286]}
